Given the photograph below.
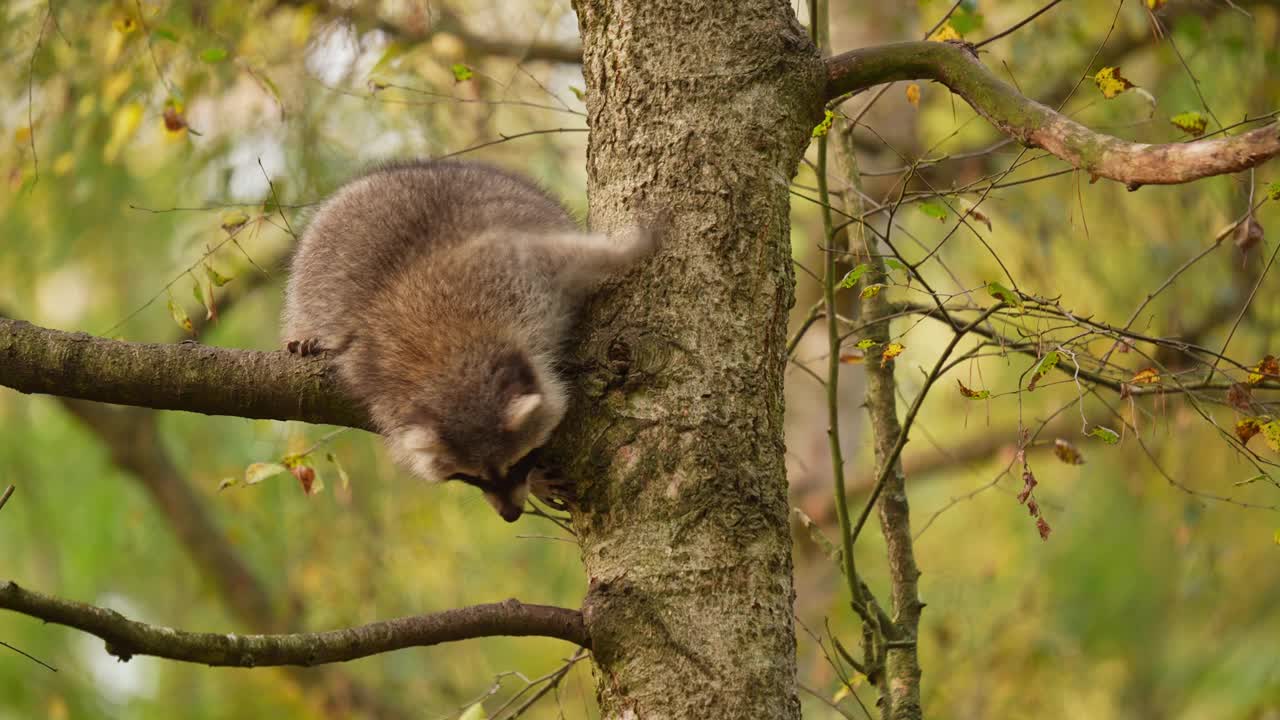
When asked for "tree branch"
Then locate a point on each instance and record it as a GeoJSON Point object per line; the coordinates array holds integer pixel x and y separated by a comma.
{"type": "Point", "coordinates": [446, 21]}
{"type": "Point", "coordinates": [183, 376]}
{"type": "Point", "coordinates": [1036, 125]}
{"type": "Point", "coordinates": [126, 638]}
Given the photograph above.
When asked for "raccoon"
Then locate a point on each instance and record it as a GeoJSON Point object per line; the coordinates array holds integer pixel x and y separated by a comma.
{"type": "Point", "coordinates": [444, 292]}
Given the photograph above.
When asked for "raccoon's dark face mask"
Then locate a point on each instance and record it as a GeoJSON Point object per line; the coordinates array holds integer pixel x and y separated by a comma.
{"type": "Point", "coordinates": [507, 492]}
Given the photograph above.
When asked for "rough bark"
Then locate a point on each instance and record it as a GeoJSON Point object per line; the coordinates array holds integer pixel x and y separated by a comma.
{"type": "Point", "coordinates": [701, 112]}
{"type": "Point", "coordinates": [183, 376]}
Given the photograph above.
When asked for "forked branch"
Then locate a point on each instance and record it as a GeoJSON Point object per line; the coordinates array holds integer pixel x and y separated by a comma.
{"type": "Point", "coordinates": [1035, 125]}
{"type": "Point", "coordinates": [126, 638]}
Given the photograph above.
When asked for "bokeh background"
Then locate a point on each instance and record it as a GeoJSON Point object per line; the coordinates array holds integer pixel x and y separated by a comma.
{"type": "Point", "coordinates": [142, 143]}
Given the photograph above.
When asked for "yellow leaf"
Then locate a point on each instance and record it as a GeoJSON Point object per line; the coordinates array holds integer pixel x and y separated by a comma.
{"type": "Point", "coordinates": [872, 290]}
{"type": "Point", "coordinates": [124, 25]}
{"type": "Point", "coordinates": [233, 219]}
{"type": "Point", "coordinates": [123, 124]}
{"type": "Point", "coordinates": [945, 33]}
{"type": "Point", "coordinates": [1276, 537]}
{"type": "Point", "coordinates": [1111, 82]}
{"type": "Point", "coordinates": [22, 136]}
{"type": "Point", "coordinates": [1268, 366]}
{"type": "Point", "coordinates": [1146, 376]}
{"type": "Point", "coordinates": [1156, 4]}
{"type": "Point", "coordinates": [1191, 123]}
{"type": "Point", "coordinates": [180, 316]}
{"type": "Point", "coordinates": [891, 351]}
{"type": "Point", "coordinates": [913, 94]}
{"type": "Point", "coordinates": [1271, 433]}
{"type": "Point", "coordinates": [115, 86]}
{"type": "Point", "coordinates": [259, 471]}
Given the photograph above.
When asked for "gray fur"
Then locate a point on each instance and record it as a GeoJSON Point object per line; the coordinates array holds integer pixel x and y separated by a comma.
{"type": "Point", "coordinates": [444, 291]}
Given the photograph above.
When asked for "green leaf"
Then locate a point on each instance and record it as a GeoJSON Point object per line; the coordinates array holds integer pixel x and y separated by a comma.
{"type": "Point", "coordinates": [866, 344]}
{"type": "Point", "coordinates": [893, 264]}
{"type": "Point", "coordinates": [822, 128]}
{"type": "Point", "coordinates": [1192, 123]}
{"type": "Point", "coordinates": [1047, 363]}
{"type": "Point", "coordinates": [851, 278]}
{"type": "Point", "coordinates": [973, 394]}
{"type": "Point", "coordinates": [578, 93]}
{"type": "Point", "coordinates": [475, 712]}
{"type": "Point", "coordinates": [966, 21]}
{"type": "Point", "coordinates": [462, 73]}
{"type": "Point", "coordinates": [1003, 294]}
{"type": "Point", "coordinates": [1273, 191]}
{"type": "Point", "coordinates": [216, 278]}
{"type": "Point", "coordinates": [1106, 435]}
{"type": "Point", "coordinates": [257, 472]}
{"type": "Point", "coordinates": [180, 316]}
{"type": "Point", "coordinates": [213, 55]}
{"type": "Point", "coordinates": [163, 34]}
{"type": "Point", "coordinates": [198, 292]}
{"type": "Point", "coordinates": [934, 210]}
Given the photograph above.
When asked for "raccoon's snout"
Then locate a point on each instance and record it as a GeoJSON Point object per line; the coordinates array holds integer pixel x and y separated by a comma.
{"type": "Point", "coordinates": [511, 507]}
{"type": "Point", "coordinates": [511, 513]}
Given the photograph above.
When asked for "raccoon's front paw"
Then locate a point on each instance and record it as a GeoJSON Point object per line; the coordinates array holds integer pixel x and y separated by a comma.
{"type": "Point", "coordinates": [552, 488]}
{"type": "Point", "coordinates": [303, 348]}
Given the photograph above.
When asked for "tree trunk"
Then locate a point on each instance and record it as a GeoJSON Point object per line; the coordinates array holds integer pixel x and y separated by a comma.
{"type": "Point", "coordinates": [700, 113]}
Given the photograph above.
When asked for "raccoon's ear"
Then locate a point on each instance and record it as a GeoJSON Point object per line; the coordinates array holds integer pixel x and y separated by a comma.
{"type": "Point", "coordinates": [520, 410]}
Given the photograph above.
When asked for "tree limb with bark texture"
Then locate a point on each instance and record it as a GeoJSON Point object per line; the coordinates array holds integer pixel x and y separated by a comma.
{"type": "Point", "coordinates": [1134, 164]}
{"type": "Point", "coordinates": [126, 638]}
{"type": "Point", "coordinates": [183, 376]}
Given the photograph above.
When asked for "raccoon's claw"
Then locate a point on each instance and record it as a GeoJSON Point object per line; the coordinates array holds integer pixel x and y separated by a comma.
{"type": "Point", "coordinates": [303, 348]}
{"type": "Point", "coordinates": [551, 488]}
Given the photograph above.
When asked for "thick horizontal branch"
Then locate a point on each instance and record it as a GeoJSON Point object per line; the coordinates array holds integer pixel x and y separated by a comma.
{"type": "Point", "coordinates": [1036, 125]}
{"type": "Point", "coordinates": [183, 376]}
{"type": "Point", "coordinates": [126, 638]}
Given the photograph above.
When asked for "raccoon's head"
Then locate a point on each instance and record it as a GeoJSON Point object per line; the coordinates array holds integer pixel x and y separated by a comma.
{"type": "Point", "coordinates": [478, 426]}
